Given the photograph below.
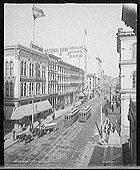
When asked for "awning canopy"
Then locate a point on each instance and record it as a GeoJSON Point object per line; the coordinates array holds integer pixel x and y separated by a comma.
{"type": "Point", "coordinates": [26, 110]}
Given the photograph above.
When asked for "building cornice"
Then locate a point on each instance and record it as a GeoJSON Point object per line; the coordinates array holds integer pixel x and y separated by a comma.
{"type": "Point", "coordinates": [127, 62]}
{"type": "Point", "coordinates": [124, 91]}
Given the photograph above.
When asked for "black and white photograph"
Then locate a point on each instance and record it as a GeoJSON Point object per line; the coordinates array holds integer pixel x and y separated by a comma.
{"type": "Point", "coordinates": [70, 79]}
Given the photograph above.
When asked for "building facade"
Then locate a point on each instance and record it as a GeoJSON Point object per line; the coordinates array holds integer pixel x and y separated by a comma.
{"type": "Point", "coordinates": [69, 83]}
{"type": "Point", "coordinates": [126, 47]}
{"type": "Point", "coordinates": [53, 79]}
{"type": "Point", "coordinates": [25, 82]}
{"type": "Point", "coordinates": [35, 82]}
{"type": "Point", "coordinates": [91, 84]}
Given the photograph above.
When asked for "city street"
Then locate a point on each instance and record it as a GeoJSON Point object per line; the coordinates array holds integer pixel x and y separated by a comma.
{"type": "Point", "coordinates": [64, 148]}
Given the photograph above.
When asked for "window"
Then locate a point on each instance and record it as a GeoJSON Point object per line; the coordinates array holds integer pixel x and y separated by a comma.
{"type": "Point", "coordinates": [43, 72]}
{"type": "Point", "coordinates": [7, 89]}
{"type": "Point", "coordinates": [11, 89]}
{"type": "Point", "coordinates": [22, 68]}
{"type": "Point", "coordinates": [30, 70]}
{"type": "Point", "coordinates": [134, 51]}
{"type": "Point", "coordinates": [134, 80]}
{"type": "Point", "coordinates": [30, 89]}
{"type": "Point", "coordinates": [24, 89]}
{"type": "Point", "coordinates": [11, 68]}
{"type": "Point", "coordinates": [25, 69]}
{"type": "Point", "coordinates": [21, 89]}
{"type": "Point", "coordinates": [7, 68]}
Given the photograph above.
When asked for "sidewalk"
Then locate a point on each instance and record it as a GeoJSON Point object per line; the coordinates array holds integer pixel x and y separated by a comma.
{"type": "Point", "coordinates": [9, 137]}
{"type": "Point", "coordinates": [110, 153]}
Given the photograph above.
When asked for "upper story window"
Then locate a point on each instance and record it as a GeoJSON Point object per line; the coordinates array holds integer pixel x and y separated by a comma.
{"type": "Point", "coordinates": [25, 89]}
{"type": "Point", "coordinates": [11, 68]}
{"type": "Point", "coordinates": [21, 89]}
{"type": "Point", "coordinates": [11, 89]}
{"type": "Point", "coordinates": [30, 70]}
{"type": "Point", "coordinates": [25, 65]}
{"type": "Point", "coordinates": [30, 91]}
{"type": "Point", "coordinates": [134, 80]}
{"type": "Point", "coordinates": [22, 68]}
{"type": "Point", "coordinates": [134, 51]}
{"type": "Point", "coordinates": [7, 67]}
{"type": "Point", "coordinates": [38, 70]}
{"type": "Point", "coordinates": [43, 72]}
{"type": "Point", "coordinates": [7, 89]}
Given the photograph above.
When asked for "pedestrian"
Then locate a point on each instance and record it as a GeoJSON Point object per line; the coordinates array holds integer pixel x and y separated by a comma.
{"type": "Point", "coordinates": [112, 106]}
{"type": "Point", "coordinates": [53, 116]}
{"type": "Point", "coordinates": [14, 134]}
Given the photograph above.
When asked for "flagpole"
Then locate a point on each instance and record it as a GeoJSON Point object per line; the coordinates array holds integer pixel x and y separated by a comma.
{"type": "Point", "coordinates": [34, 31]}
{"type": "Point", "coordinates": [85, 57]}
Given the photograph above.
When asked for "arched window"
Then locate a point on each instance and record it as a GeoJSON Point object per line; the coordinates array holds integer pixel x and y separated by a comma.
{"type": "Point", "coordinates": [134, 80]}
{"type": "Point", "coordinates": [25, 69]}
{"type": "Point", "coordinates": [11, 68]}
{"type": "Point", "coordinates": [30, 70]}
{"type": "Point", "coordinates": [24, 89]}
{"type": "Point", "coordinates": [134, 51]}
{"type": "Point", "coordinates": [11, 89]}
{"type": "Point", "coordinates": [21, 89]}
{"type": "Point", "coordinates": [38, 71]}
{"type": "Point", "coordinates": [22, 68]}
{"type": "Point", "coordinates": [7, 68]}
{"type": "Point", "coordinates": [30, 89]}
{"type": "Point", "coordinates": [7, 89]}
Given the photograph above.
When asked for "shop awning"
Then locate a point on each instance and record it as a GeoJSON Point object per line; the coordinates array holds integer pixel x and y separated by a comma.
{"type": "Point", "coordinates": [26, 110]}
{"type": "Point", "coordinates": [42, 106]}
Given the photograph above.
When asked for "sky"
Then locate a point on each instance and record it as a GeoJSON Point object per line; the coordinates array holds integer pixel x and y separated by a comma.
{"type": "Point", "coordinates": [64, 26]}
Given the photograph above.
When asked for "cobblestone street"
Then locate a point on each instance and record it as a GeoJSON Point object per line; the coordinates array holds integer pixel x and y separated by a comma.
{"type": "Point", "coordinates": [64, 148]}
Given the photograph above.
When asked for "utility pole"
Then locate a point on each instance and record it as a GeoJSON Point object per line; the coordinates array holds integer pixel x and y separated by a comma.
{"type": "Point", "coordinates": [33, 107]}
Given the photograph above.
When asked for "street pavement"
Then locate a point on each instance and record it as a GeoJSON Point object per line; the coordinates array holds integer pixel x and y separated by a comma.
{"type": "Point", "coordinates": [9, 137]}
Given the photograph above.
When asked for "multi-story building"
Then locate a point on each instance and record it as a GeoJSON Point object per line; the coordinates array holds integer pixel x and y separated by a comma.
{"type": "Point", "coordinates": [34, 82]}
{"type": "Point", "coordinates": [129, 16]}
{"type": "Point", "coordinates": [53, 79]}
{"type": "Point", "coordinates": [91, 84]}
{"type": "Point", "coordinates": [25, 82]}
{"type": "Point", "coordinates": [69, 83]}
{"type": "Point", "coordinates": [126, 47]}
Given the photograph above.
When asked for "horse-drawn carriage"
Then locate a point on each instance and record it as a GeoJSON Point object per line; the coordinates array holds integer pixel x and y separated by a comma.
{"type": "Point", "coordinates": [44, 129]}
{"type": "Point", "coordinates": [27, 137]}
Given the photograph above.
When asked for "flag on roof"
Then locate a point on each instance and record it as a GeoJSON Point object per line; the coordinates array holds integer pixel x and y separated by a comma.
{"type": "Point", "coordinates": [85, 31]}
{"type": "Point", "coordinates": [37, 13]}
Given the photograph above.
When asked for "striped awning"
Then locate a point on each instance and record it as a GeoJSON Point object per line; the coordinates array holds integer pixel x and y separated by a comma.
{"type": "Point", "coordinates": [18, 113]}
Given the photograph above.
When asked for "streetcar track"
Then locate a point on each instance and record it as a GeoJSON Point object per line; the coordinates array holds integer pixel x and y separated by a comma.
{"type": "Point", "coordinates": [51, 138]}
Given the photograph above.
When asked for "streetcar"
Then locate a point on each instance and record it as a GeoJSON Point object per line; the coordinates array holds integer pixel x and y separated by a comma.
{"type": "Point", "coordinates": [84, 114]}
{"type": "Point", "coordinates": [71, 116]}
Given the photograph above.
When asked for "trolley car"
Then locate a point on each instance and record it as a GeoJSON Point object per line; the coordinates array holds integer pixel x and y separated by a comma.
{"type": "Point", "coordinates": [71, 116]}
{"type": "Point", "coordinates": [84, 113]}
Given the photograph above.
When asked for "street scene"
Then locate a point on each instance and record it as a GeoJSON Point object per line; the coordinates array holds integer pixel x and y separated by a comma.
{"type": "Point", "coordinates": [70, 86]}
